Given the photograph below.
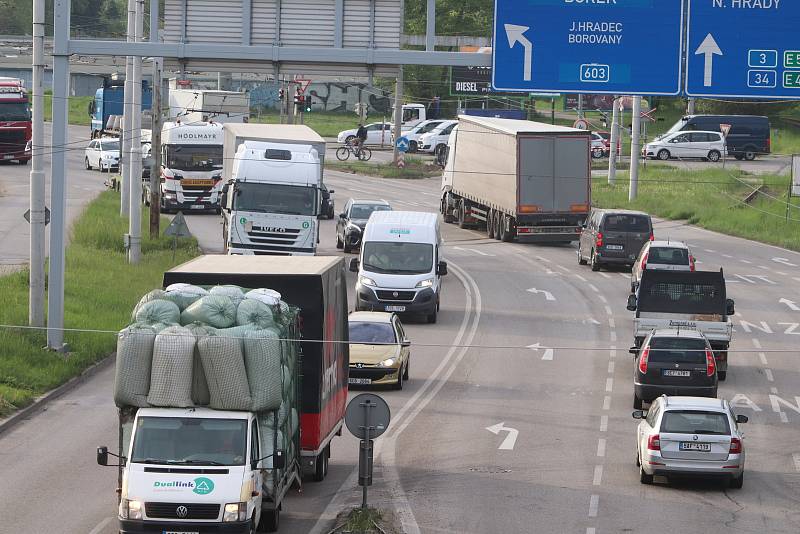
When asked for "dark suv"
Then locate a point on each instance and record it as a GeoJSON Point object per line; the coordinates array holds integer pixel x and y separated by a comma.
{"type": "Point", "coordinates": [353, 220]}
{"type": "Point", "coordinates": [613, 237]}
{"type": "Point", "coordinates": [673, 361]}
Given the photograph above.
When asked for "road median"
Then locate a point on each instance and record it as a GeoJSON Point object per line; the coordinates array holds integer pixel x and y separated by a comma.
{"type": "Point", "coordinates": [415, 168]}
{"type": "Point", "coordinates": [100, 290]}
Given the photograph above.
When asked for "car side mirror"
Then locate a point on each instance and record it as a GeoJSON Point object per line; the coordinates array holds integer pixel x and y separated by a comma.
{"type": "Point", "coordinates": [730, 308]}
{"type": "Point", "coordinates": [638, 414]}
{"type": "Point", "coordinates": [102, 455]}
{"type": "Point", "coordinates": [343, 215]}
{"type": "Point", "coordinates": [354, 265]}
{"type": "Point", "coordinates": [631, 303]}
{"type": "Point", "coordinates": [406, 342]}
{"type": "Point", "coordinates": [741, 419]}
{"type": "Point", "coordinates": [634, 350]}
{"type": "Point", "coordinates": [441, 269]}
{"type": "Point", "coordinates": [331, 191]}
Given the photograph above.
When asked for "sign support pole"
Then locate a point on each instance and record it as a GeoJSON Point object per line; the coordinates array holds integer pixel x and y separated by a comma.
{"type": "Point", "coordinates": [398, 112]}
{"type": "Point", "coordinates": [37, 187]}
{"type": "Point", "coordinates": [135, 136]}
{"type": "Point", "coordinates": [612, 155]}
{"type": "Point", "coordinates": [127, 118]}
{"type": "Point", "coordinates": [155, 151]}
{"type": "Point", "coordinates": [635, 148]}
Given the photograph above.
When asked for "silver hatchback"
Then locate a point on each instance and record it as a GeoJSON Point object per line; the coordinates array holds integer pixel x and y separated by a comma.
{"type": "Point", "coordinates": [690, 437]}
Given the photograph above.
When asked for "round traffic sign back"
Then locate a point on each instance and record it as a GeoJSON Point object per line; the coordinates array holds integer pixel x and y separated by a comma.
{"type": "Point", "coordinates": [367, 410]}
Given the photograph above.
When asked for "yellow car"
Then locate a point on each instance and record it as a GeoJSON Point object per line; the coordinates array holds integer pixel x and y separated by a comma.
{"type": "Point", "coordinates": [379, 349]}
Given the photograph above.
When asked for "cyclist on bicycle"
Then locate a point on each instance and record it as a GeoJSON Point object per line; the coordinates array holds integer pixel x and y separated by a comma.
{"type": "Point", "coordinates": [361, 138]}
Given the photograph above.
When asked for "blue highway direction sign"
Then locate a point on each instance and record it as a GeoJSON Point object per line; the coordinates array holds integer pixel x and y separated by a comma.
{"type": "Point", "coordinates": [743, 48]}
{"type": "Point", "coordinates": [402, 144]}
{"type": "Point", "coordinates": [589, 46]}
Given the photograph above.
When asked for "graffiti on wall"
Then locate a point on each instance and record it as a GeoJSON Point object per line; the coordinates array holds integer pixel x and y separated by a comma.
{"type": "Point", "coordinates": [326, 96]}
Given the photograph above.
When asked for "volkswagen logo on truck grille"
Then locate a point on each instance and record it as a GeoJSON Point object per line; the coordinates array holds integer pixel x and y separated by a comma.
{"type": "Point", "coordinates": [181, 512]}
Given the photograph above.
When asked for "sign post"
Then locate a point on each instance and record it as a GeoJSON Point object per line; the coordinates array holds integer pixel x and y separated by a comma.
{"type": "Point", "coordinates": [553, 46]}
{"type": "Point", "coordinates": [725, 129]}
{"type": "Point", "coordinates": [367, 417]}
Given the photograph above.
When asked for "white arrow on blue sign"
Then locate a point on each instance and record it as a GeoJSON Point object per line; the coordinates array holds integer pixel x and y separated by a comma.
{"type": "Point", "coordinates": [402, 144]}
{"type": "Point", "coordinates": [571, 46]}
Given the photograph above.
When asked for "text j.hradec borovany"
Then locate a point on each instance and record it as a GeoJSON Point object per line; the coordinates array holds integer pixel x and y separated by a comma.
{"type": "Point", "coordinates": [591, 32]}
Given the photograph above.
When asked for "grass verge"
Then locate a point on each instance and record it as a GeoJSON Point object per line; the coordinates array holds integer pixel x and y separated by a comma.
{"type": "Point", "coordinates": [712, 199]}
{"type": "Point", "coordinates": [415, 168]}
{"type": "Point", "coordinates": [101, 288]}
{"type": "Point", "coordinates": [78, 109]}
{"type": "Point", "coordinates": [326, 124]}
{"type": "Point", "coordinates": [365, 521]}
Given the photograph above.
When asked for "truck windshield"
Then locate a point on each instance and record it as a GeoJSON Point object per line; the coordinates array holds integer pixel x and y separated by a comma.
{"type": "Point", "coordinates": [189, 441]}
{"type": "Point", "coordinates": [398, 258]}
{"type": "Point", "coordinates": [370, 333]}
{"type": "Point", "coordinates": [275, 198]}
{"type": "Point", "coordinates": [14, 111]}
{"type": "Point", "coordinates": [194, 157]}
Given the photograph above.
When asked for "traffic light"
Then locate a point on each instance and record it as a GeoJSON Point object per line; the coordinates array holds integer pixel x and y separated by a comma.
{"type": "Point", "coordinates": [307, 104]}
{"type": "Point", "coordinates": [298, 101]}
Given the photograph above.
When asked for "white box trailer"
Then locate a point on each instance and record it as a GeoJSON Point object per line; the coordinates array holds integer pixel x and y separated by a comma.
{"type": "Point", "coordinates": [195, 105]}
{"type": "Point", "coordinates": [517, 179]}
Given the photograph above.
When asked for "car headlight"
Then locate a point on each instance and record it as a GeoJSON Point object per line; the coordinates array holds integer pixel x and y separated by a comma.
{"type": "Point", "coordinates": [388, 362]}
{"type": "Point", "coordinates": [425, 283]}
{"type": "Point", "coordinates": [130, 509]}
{"type": "Point", "coordinates": [364, 281]}
{"type": "Point", "coordinates": [235, 511]}
{"type": "Point", "coordinates": [352, 228]}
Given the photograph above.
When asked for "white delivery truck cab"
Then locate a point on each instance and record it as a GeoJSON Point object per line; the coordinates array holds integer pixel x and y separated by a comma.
{"type": "Point", "coordinates": [272, 200]}
{"type": "Point", "coordinates": [195, 470]}
{"type": "Point", "coordinates": [400, 268]}
{"type": "Point", "coordinates": [191, 169]}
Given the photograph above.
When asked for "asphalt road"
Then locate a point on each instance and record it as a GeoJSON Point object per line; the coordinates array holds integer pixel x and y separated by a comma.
{"type": "Point", "coordinates": [571, 467]}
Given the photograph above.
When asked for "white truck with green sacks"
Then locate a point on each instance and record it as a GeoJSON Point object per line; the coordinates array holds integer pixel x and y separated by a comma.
{"type": "Point", "coordinates": [215, 378]}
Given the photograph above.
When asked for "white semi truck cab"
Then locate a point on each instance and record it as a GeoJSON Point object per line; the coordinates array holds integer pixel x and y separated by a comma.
{"type": "Point", "coordinates": [271, 200]}
{"type": "Point", "coordinates": [191, 172]}
{"type": "Point", "coordinates": [196, 470]}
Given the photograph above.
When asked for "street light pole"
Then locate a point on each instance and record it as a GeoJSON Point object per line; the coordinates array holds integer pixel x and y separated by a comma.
{"type": "Point", "coordinates": [37, 187]}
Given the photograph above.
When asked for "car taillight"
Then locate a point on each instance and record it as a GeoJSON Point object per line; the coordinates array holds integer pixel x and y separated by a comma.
{"type": "Point", "coordinates": [736, 446]}
{"type": "Point", "coordinates": [599, 241]}
{"type": "Point", "coordinates": [769, 144]}
{"type": "Point", "coordinates": [654, 443]}
{"type": "Point", "coordinates": [643, 360]}
{"type": "Point", "coordinates": [643, 266]}
{"type": "Point", "coordinates": [691, 263]}
{"type": "Point", "coordinates": [711, 364]}
{"type": "Point", "coordinates": [652, 237]}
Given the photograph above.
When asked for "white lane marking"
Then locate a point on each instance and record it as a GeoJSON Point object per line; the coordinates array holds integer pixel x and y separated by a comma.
{"type": "Point", "coordinates": [763, 358]}
{"type": "Point", "coordinates": [768, 372]}
{"type": "Point", "coordinates": [542, 258]}
{"type": "Point", "coordinates": [756, 343]}
{"type": "Point", "coordinates": [547, 295]}
{"type": "Point", "coordinates": [565, 269]}
{"type": "Point", "coordinates": [727, 256]}
{"type": "Point", "coordinates": [601, 447]}
{"type": "Point", "coordinates": [473, 250]}
{"type": "Point", "coordinates": [625, 276]}
{"type": "Point", "coordinates": [784, 417]}
{"type": "Point", "coordinates": [598, 475]}
{"type": "Point", "coordinates": [591, 320]}
{"type": "Point", "coordinates": [510, 439]}
{"type": "Point", "coordinates": [101, 525]}
{"type": "Point", "coordinates": [603, 423]}
{"type": "Point", "coordinates": [796, 278]}
{"type": "Point", "coordinates": [747, 262]}
{"type": "Point", "coordinates": [605, 275]}
{"type": "Point", "coordinates": [611, 322]}
{"type": "Point", "coordinates": [581, 278]}
{"type": "Point", "coordinates": [412, 408]}
{"type": "Point", "coordinates": [609, 311]}
{"type": "Point", "coordinates": [790, 303]}
{"type": "Point", "coordinates": [603, 299]}
{"type": "Point", "coordinates": [773, 390]}
{"type": "Point", "coordinates": [784, 261]}
{"type": "Point", "coordinates": [607, 402]}
{"type": "Point", "coordinates": [796, 460]}
{"type": "Point", "coordinates": [548, 352]}
{"type": "Point", "coordinates": [709, 250]}
{"type": "Point", "coordinates": [764, 267]}
{"type": "Point", "coordinates": [781, 273]}
{"type": "Point", "coordinates": [594, 288]}
{"type": "Point", "coordinates": [613, 352]}
{"type": "Point", "coordinates": [609, 384]}
{"type": "Point", "coordinates": [591, 530]}
{"type": "Point", "coordinates": [613, 335]}
{"type": "Point", "coordinates": [611, 368]}
{"type": "Point", "coordinates": [594, 503]}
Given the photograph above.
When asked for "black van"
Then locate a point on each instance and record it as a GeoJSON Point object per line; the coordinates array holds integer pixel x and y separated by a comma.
{"type": "Point", "coordinates": [748, 137]}
{"type": "Point", "coordinates": [613, 237]}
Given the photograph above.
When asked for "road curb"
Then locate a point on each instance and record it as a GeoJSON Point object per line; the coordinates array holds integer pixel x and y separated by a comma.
{"type": "Point", "coordinates": [42, 401]}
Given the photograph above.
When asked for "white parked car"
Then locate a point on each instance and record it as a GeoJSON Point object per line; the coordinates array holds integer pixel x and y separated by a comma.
{"type": "Point", "coordinates": [103, 154]}
{"type": "Point", "coordinates": [437, 137]}
{"type": "Point", "coordinates": [418, 131]}
{"type": "Point", "coordinates": [377, 133]}
{"type": "Point", "coordinates": [664, 256]}
{"type": "Point", "coordinates": [598, 148]}
{"type": "Point", "coordinates": [681, 145]}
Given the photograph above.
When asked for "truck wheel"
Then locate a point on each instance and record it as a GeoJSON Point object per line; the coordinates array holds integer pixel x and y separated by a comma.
{"type": "Point", "coordinates": [270, 520]}
{"type": "Point", "coordinates": [446, 212]}
{"type": "Point", "coordinates": [496, 222]}
{"type": "Point", "coordinates": [595, 264]}
{"type": "Point", "coordinates": [722, 375]}
{"type": "Point", "coordinates": [462, 214]}
{"type": "Point", "coordinates": [490, 224]}
{"type": "Point", "coordinates": [321, 468]}
{"type": "Point", "coordinates": [506, 229]}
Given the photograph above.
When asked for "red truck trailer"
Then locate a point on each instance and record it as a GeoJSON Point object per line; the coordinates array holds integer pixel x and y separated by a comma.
{"type": "Point", "coordinates": [15, 121]}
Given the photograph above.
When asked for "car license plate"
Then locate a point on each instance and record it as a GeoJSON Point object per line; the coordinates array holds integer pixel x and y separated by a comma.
{"type": "Point", "coordinates": [676, 372]}
{"type": "Point", "coordinates": [395, 308]}
{"type": "Point", "coordinates": [614, 247]}
{"type": "Point", "coordinates": [180, 532]}
{"type": "Point", "coordinates": [692, 446]}
{"type": "Point", "coordinates": [8, 156]}
{"type": "Point", "coordinates": [197, 206]}
{"type": "Point", "coordinates": [359, 381]}
{"type": "Point", "coordinates": [197, 182]}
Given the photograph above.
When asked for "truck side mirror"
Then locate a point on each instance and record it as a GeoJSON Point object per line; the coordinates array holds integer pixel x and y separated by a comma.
{"type": "Point", "coordinates": [354, 264]}
{"type": "Point", "coordinates": [631, 303]}
{"type": "Point", "coordinates": [730, 308]}
{"type": "Point", "coordinates": [331, 191]}
{"type": "Point", "coordinates": [102, 455]}
{"type": "Point", "coordinates": [441, 269]}
{"type": "Point", "coordinates": [343, 215]}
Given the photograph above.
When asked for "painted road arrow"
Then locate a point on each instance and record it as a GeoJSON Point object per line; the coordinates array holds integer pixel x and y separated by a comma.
{"type": "Point", "coordinates": [511, 438]}
{"type": "Point", "coordinates": [792, 305]}
{"type": "Point", "coordinates": [709, 48]}
{"type": "Point", "coordinates": [548, 352]}
{"type": "Point", "coordinates": [516, 34]}
{"type": "Point", "coordinates": [784, 261]}
{"type": "Point", "coordinates": [547, 294]}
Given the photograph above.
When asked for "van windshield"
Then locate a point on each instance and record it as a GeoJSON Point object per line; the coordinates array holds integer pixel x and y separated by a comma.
{"type": "Point", "coordinates": [398, 257]}
{"type": "Point", "coordinates": [275, 198]}
{"type": "Point", "coordinates": [189, 441]}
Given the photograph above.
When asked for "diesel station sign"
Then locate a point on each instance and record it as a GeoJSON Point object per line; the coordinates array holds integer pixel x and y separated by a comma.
{"type": "Point", "coordinates": [475, 81]}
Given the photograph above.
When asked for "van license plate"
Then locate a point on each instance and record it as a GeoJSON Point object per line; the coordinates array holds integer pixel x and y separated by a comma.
{"type": "Point", "coordinates": [359, 381]}
{"type": "Point", "coordinates": [180, 532]}
{"type": "Point", "coordinates": [614, 247]}
{"type": "Point", "coordinates": [674, 372]}
{"type": "Point", "coordinates": [395, 308]}
{"type": "Point", "coordinates": [197, 206]}
{"type": "Point", "coordinates": [692, 446]}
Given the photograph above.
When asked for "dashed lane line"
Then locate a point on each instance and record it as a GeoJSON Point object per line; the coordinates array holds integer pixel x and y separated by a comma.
{"type": "Point", "coordinates": [601, 447]}
{"type": "Point", "coordinates": [594, 504]}
{"type": "Point", "coordinates": [768, 373]}
{"type": "Point", "coordinates": [603, 423]}
{"type": "Point", "coordinates": [597, 479]}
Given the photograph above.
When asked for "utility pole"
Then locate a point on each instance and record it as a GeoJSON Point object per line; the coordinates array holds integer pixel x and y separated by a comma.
{"type": "Point", "coordinates": [37, 188]}
{"type": "Point", "coordinates": [155, 143]}
{"type": "Point", "coordinates": [612, 156]}
{"type": "Point", "coordinates": [398, 112]}
{"type": "Point", "coordinates": [635, 148]}
{"type": "Point", "coordinates": [580, 105]}
{"type": "Point", "coordinates": [135, 135]}
{"type": "Point", "coordinates": [127, 117]}
{"type": "Point", "coordinates": [58, 175]}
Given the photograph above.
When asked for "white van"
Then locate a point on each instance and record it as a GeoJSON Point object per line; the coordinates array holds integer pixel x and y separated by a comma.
{"type": "Point", "coordinates": [400, 267]}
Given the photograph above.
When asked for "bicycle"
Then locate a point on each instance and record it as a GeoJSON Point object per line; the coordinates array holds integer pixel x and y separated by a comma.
{"type": "Point", "coordinates": [361, 153]}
